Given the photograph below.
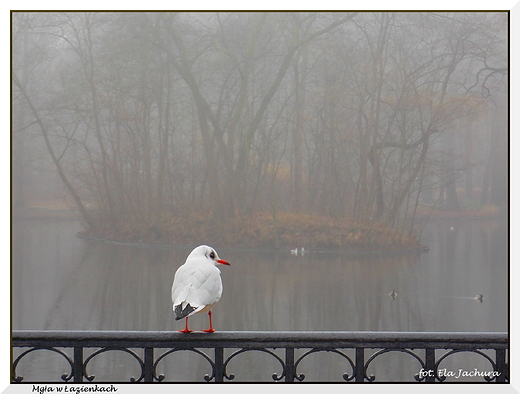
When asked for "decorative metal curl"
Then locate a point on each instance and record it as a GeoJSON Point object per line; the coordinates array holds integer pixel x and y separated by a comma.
{"type": "Point", "coordinates": [346, 377]}
{"type": "Point", "coordinates": [90, 378]}
{"type": "Point", "coordinates": [274, 376]}
{"type": "Point", "coordinates": [372, 377]}
{"type": "Point", "coordinates": [65, 377]}
{"type": "Point", "coordinates": [161, 377]}
{"type": "Point", "coordinates": [443, 378]}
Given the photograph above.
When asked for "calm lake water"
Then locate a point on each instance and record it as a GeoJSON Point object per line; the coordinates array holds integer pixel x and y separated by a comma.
{"type": "Point", "coordinates": [63, 282]}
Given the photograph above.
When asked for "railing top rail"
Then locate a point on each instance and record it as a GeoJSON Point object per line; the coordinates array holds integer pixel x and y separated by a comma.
{"type": "Point", "coordinates": [250, 339]}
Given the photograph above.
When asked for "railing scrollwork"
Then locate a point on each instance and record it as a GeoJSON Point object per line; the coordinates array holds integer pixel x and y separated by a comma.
{"type": "Point", "coordinates": [300, 377]}
{"type": "Point", "coordinates": [430, 350]}
{"type": "Point", "coordinates": [90, 377]}
{"type": "Point", "coordinates": [372, 377]}
{"type": "Point", "coordinates": [65, 377]}
{"type": "Point", "coordinates": [161, 377]}
{"type": "Point", "coordinates": [274, 376]}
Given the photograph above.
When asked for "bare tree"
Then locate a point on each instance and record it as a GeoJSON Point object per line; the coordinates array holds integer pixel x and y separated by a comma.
{"type": "Point", "coordinates": [149, 115]}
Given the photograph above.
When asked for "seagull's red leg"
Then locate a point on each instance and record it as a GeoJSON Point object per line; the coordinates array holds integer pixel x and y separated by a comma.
{"type": "Point", "coordinates": [186, 330]}
{"type": "Point", "coordinates": [210, 324]}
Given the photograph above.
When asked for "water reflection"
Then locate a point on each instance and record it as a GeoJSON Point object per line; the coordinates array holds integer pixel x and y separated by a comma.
{"type": "Point", "coordinates": [63, 282]}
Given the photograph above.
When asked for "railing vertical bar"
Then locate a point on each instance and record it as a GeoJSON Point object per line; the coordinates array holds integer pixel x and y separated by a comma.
{"type": "Point", "coordinates": [78, 364]}
{"type": "Point", "coordinates": [430, 364]}
{"type": "Point", "coordinates": [219, 364]}
{"type": "Point", "coordinates": [360, 364]}
{"type": "Point", "coordinates": [289, 364]}
{"type": "Point", "coordinates": [501, 365]}
{"type": "Point", "coordinates": [148, 364]}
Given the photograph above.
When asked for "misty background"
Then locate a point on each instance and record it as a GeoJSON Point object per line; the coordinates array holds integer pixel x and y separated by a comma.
{"type": "Point", "coordinates": [128, 117]}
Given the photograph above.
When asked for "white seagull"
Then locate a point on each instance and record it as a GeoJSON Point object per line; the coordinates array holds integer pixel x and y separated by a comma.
{"type": "Point", "coordinates": [197, 285]}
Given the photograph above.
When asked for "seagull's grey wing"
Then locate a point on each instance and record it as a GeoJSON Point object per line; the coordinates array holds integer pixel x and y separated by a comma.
{"type": "Point", "coordinates": [198, 286]}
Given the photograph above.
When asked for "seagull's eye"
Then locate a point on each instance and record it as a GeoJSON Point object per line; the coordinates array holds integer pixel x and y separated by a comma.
{"type": "Point", "coordinates": [212, 255]}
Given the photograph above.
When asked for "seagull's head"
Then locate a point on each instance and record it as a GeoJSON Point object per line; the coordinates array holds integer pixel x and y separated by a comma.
{"type": "Point", "coordinates": [210, 254]}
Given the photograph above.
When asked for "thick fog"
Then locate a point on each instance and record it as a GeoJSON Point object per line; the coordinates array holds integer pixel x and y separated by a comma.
{"type": "Point", "coordinates": [370, 116]}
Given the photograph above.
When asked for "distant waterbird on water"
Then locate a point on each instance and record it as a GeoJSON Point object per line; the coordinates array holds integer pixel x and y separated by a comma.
{"type": "Point", "coordinates": [294, 252]}
{"type": "Point", "coordinates": [478, 297]}
{"type": "Point", "coordinates": [197, 285]}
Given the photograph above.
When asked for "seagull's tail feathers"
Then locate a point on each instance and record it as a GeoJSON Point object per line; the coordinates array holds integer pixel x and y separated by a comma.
{"type": "Point", "coordinates": [180, 312]}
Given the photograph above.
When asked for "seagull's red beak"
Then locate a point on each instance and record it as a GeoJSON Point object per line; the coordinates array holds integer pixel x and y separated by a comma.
{"type": "Point", "coordinates": [223, 262]}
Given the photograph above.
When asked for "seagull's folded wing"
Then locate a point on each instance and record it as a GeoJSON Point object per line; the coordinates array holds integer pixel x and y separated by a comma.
{"type": "Point", "coordinates": [196, 286]}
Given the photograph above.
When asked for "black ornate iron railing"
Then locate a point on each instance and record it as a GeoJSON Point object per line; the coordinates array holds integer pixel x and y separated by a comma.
{"type": "Point", "coordinates": [429, 349]}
